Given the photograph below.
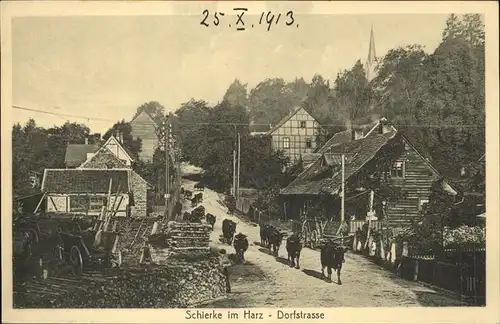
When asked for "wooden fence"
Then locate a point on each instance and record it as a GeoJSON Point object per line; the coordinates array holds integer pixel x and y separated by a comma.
{"type": "Point", "coordinates": [466, 280]}
{"type": "Point", "coordinates": [358, 224]}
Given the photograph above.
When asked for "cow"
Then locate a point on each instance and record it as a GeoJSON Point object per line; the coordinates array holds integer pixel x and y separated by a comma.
{"type": "Point", "coordinates": [228, 230]}
{"type": "Point", "coordinates": [332, 256]}
{"type": "Point", "coordinates": [294, 247]}
{"type": "Point", "coordinates": [210, 219]}
{"type": "Point", "coordinates": [198, 214]}
{"type": "Point", "coordinates": [188, 194]}
{"type": "Point", "coordinates": [264, 235]}
{"type": "Point", "coordinates": [241, 246]}
{"type": "Point", "coordinates": [199, 186]}
{"type": "Point", "coordinates": [275, 237]}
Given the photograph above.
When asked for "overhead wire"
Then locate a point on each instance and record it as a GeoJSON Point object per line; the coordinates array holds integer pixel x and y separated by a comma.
{"type": "Point", "coordinates": [241, 124]}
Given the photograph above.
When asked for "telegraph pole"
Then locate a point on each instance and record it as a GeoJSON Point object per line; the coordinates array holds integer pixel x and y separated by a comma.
{"type": "Point", "coordinates": [343, 194]}
{"type": "Point", "coordinates": [238, 177]}
{"type": "Point", "coordinates": [167, 165]}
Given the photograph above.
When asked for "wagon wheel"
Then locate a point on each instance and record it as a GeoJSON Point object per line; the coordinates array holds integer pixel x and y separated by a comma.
{"type": "Point", "coordinates": [33, 236]}
{"type": "Point", "coordinates": [76, 261]}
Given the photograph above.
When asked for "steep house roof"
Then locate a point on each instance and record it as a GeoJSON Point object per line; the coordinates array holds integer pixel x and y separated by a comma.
{"type": "Point", "coordinates": [290, 115]}
{"type": "Point", "coordinates": [103, 159]}
{"type": "Point", "coordinates": [315, 181]}
{"type": "Point", "coordinates": [321, 179]}
{"type": "Point", "coordinates": [106, 159]}
{"type": "Point", "coordinates": [82, 181]}
{"type": "Point", "coordinates": [76, 154]}
{"type": "Point", "coordinates": [346, 136]}
{"type": "Point", "coordinates": [144, 113]}
{"type": "Point", "coordinates": [113, 139]}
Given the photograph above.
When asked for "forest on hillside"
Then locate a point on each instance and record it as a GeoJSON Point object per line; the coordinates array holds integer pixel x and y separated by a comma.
{"type": "Point", "coordinates": [436, 99]}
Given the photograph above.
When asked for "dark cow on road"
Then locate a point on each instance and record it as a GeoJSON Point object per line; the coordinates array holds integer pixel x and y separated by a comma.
{"type": "Point", "coordinates": [332, 256]}
{"type": "Point", "coordinates": [264, 235]}
{"type": "Point", "coordinates": [241, 246]}
{"type": "Point", "coordinates": [294, 247]}
{"type": "Point", "coordinates": [210, 219]}
{"type": "Point", "coordinates": [275, 238]}
{"type": "Point", "coordinates": [188, 194]}
{"type": "Point", "coordinates": [199, 186]}
{"type": "Point", "coordinates": [228, 230]}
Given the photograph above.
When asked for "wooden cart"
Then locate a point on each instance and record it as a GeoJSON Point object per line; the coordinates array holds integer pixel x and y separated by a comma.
{"type": "Point", "coordinates": [79, 250]}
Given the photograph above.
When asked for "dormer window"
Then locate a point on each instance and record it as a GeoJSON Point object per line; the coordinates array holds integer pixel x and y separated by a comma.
{"type": "Point", "coordinates": [398, 170]}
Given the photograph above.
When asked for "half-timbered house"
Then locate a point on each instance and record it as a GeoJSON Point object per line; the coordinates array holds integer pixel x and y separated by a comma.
{"type": "Point", "coordinates": [296, 134]}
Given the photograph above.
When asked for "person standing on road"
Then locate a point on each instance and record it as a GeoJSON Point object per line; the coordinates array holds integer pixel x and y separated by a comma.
{"type": "Point", "coordinates": [225, 263]}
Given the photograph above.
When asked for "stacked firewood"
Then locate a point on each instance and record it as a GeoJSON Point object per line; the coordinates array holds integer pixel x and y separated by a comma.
{"type": "Point", "coordinates": [188, 236]}
{"type": "Point", "coordinates": [188, 281]}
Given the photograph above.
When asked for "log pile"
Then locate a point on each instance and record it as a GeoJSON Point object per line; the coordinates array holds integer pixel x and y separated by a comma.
{"type": "Point", "coordinates": [134, 234]}
{"type": "Point", "coordinates": [187, 282]}
{"type": "Point", "coordinates": [188, 236]}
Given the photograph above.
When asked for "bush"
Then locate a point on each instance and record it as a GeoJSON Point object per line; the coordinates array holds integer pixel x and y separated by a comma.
{"type": "Point", "coordinates": [465, 235]}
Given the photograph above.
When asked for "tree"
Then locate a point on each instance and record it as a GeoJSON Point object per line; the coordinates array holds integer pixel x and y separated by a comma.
{"type": "Point", "coordinates": [133, 145]}
{"type": "Point", "coordinates": [353, 93]}
{"type": "Point", "coordinates": [191, 116]}
{"type": "Point", "coordinates": [154, 109]}
{"type": "Point", "coordinates": [236, 94]}
{"type": "Point", "coordinates": [270, 101]}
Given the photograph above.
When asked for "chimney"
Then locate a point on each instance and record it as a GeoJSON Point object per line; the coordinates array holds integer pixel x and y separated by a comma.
{"type": "Point", "coordinates": [384, 126]}
{"type": "Point", "coordinates": [121, 138]}
{"type": "Point", "coordinates": [86, 140]}
{"type": "Point", "coordinates": [357, 134]}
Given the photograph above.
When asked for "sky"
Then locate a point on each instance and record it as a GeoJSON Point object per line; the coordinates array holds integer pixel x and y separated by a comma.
{"type": "Point", "coordinates": [106, 66]}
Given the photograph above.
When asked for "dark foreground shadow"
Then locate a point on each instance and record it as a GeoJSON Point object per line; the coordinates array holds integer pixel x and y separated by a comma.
{"type": "Point", "coordinates": [257, 243]}
{"type": "Point", "coordinates": [282, 260]}
{"type": "Point", "coordinates": [314, 274]}
{"type": "Point", "coordinates": [266, 251]}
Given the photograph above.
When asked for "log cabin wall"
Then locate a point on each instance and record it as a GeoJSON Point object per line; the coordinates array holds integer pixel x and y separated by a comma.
{"type": "Point", "coordinates": [415, 177]}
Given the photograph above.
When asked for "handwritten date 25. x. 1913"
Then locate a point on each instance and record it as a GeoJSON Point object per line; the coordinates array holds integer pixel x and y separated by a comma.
{"type": "Point", "coordinates": [243, 22]}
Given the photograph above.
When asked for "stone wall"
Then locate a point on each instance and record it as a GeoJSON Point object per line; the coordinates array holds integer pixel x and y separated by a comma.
{"type": "Point", "coordinates": [140, 188]}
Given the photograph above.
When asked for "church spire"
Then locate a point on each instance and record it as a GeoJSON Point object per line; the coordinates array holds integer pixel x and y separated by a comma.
{"type": "Point", "coordinates": [370, 62]}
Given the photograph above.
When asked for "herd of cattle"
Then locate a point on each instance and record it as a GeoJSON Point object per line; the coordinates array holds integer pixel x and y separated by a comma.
{"type": "Point", "coordinates": [331, 254]}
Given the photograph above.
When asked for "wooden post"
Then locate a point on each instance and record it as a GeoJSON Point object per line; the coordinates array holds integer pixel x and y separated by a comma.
{"type": "Point", "coordinates": [238, 173]}
{"type": "Point", "coordinates": [369, 216]}
{"type": "Point", "coordinates": [342, 201]}
{"type": "Point", "coordinates": [39, 204]}
{"type": "Point", "coordinates": [233, 189]}
{"type": "Point", "coordinates": [415, 273]}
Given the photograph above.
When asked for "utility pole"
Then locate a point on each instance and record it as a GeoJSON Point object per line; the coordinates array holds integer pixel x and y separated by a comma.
{"type": "Point", "coordinates": [342, 206]}
{"type": "Point", "coordinates": [167, 165]}
{"type": "Point", "coordinates": [238, 174]}
{"type": "Point", "coordinates": [233, 189]}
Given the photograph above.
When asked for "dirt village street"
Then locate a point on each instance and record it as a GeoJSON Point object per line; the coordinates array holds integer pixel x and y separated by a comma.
{"type": "Point", "coordinates": [266, 281]}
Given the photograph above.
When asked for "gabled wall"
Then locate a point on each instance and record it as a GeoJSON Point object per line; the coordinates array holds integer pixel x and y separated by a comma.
{"type": "Point", "coordinates": [145, 128]}
{"type": "Point", "coordinates": [297, 136]}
